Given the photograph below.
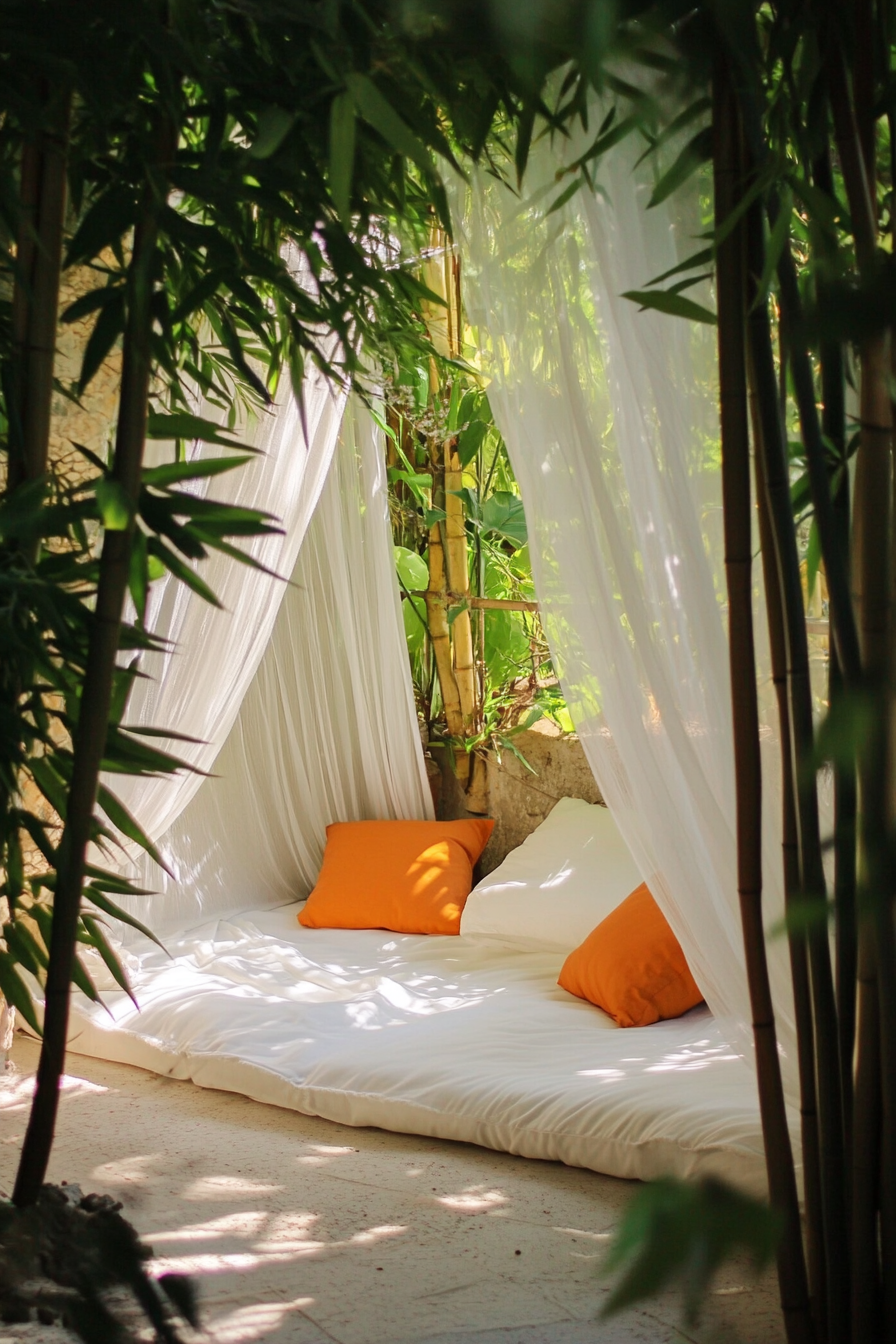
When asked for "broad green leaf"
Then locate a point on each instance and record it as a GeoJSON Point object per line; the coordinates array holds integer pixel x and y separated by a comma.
{"type": "Point", "coordinates": [674, 304]}
{"type": "Point", "coordinates": [470, 439]}
{"type": "Point", "coordinates": [412, 569]}
{"type": "Point", "coordinates": [503, 513]}
{"type": "Point", "coordinates": [342, 154]}
{"type": "Point", "coordinates": [381, 115]}
{"type": "Point", "coordinates": [114, 505]}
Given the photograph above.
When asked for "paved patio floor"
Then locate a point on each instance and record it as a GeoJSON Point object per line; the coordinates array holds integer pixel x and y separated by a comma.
{"type": "Point", "coordinates": [301, 1231]}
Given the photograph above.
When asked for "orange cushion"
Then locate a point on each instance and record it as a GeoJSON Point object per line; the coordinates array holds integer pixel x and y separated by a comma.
{"type": "Point", "coordinates": [407, 876]}
{"type": "Point", "coordinates": [632, 965]}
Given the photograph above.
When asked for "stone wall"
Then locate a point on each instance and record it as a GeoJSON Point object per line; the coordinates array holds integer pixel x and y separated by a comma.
{"type": "Point", "coordinates": [519, 800]}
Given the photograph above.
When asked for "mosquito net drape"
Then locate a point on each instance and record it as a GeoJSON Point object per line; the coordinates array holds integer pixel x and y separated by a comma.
{"type": "Point", "coordinates": [301, 691]}
{"type": "Point", "coordinates": [610, 419]}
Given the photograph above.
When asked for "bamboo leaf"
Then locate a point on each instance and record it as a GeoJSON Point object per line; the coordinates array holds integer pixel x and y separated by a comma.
{"type": "Point", "coordinates": [173, 473]}
{"type": "Point", "coordinates": [673, 304]}
{"type": "Point", "coordinates": [114, 506]}
{"type": "Point", "coordinates": [121, 817]}
{"type": "Point", "coordinates": [565, 196]}
{"type": "Point", "coordinates": [181, 571]}
{"type": "Point", "coordinates": [342, 154]}
{"type": "Point", "coordinates": [274, 125]}
{"type": "Point", "coordinates": [696, 152]}
{"type": "Point", "coordinates": [106, 331]}
{"type": "Point", "coordinates": [191, 427]}
{"type": "Point", "coordinates": [109, 218]}
{"type": "Point", "coordinates": [16, 992]}
{"type": "Point", "coordinates": [701, 258]}
{"type": "Point", "coordinates": [813, 557]}
{"type": "Point", "coordinates": [381, 115]}
{"type": "Point", "coordinates": [97, 939]}
{"type": "Point", "coordinates": [778, 240]}
{"type": "Point", "coordinates": [109, 907]}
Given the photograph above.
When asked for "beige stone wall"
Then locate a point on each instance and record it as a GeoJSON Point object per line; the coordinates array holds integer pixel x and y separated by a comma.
{"type": "Point", "coordinates": [92, 422]}
{"type": "Point", "coordinates": [519, 801]}
{"type": "Point", "coordinates": [89, 422]}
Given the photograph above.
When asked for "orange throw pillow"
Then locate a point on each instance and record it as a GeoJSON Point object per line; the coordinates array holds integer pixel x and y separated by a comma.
{"type": "Point", "coordinates": [407, 876]}
{"type": "Point", "coordinates": [632, 965]}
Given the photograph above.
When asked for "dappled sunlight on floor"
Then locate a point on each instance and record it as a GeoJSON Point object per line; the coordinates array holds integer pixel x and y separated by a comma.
{"type": "Point", "coordinates": [302, 1232]}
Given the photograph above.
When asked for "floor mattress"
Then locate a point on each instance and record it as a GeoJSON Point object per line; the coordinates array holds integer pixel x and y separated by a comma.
{"type": "Point", "coordinates": [445, 1037]}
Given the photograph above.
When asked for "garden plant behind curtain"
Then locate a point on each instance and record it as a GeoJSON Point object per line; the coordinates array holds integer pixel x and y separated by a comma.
{"type": "Point", "coordinates": [301, 691]}
{"type": "Point", "coordinates": [610, 417]}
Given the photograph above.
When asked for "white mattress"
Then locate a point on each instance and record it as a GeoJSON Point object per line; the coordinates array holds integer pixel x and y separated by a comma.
{"type": "Point", "coordinates": [444, 1037]}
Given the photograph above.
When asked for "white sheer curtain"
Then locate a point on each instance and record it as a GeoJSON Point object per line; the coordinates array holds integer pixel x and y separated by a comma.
{"type": "Point", "coordinates": [196, 686]}
{"type": "Point", "coordinates": [610, 419]}
{"type": "Point", "coordinates": [327, 727]}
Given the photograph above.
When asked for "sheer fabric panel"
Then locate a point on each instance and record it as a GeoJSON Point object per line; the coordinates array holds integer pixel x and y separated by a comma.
{"type": "Point", "coordinates": [327, 730]}
{"type": "Point", "coordinates": [610, 418]}
{"type": "Point", "coordinates": [197, 685]}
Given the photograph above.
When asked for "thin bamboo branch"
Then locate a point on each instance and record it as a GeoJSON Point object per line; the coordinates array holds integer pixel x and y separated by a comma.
{"type": "Point", "coordinates": [90, 733]}
{"type": "Point", "coordinates": [733, 404]}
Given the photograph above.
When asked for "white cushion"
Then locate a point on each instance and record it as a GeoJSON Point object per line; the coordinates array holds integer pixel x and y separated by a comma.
{"type": "Point", "coordinates": [564, 878]}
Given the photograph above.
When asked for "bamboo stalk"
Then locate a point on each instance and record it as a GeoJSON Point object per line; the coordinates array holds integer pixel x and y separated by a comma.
{"type": "Point", "coordinates": [459, 583]}
{"type": "Point", "coordinates": [439, 629]}
{"type": "Point", "coordinates": [90, 733]}
{"type": "Point", "coordinates": [866, 1313]}
{"type": "Point", "coordinates": [843, 623]}
{"type": "Point", "coordinates": [812, 880]}
{"type": "Point", "coordinates": [855, 130]}
{"type": "Point", "coordinates": [833, 425]}
{"type": "Point", "coordinates": [799, 964]}
{"type": "Point", "coordinates": [730, 288]}
{"type": "Point", "coordinates": [36, 290]}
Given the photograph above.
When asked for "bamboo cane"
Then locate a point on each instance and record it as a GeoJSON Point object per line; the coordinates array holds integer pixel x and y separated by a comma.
{"type": "Point", "coordinates": [440, 631]}
{"type": "Point", "coordinates": [833, 383]}
{"type": "Point", "coordinates": [90, 733]}
{"type": "Point", "coordinates": [36, 289]}
{"type": "Point", "coordinates": [730, 287]}
{"type": "Point", "coordinates": [812, 880]}
{"type": "Point", "coordinates": [799, 964]}
{"type": "Point", "coordinates": [873, 515]}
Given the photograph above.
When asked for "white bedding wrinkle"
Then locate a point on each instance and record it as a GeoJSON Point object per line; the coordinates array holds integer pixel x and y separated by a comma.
{"type": "Point", "coordinates": [447, 1037]}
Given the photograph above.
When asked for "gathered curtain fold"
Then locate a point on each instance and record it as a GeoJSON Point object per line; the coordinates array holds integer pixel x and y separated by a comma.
{"type": "Point", "coordinates": [611, 422]}
{"type": "Point", "coordinates": [299, 691]}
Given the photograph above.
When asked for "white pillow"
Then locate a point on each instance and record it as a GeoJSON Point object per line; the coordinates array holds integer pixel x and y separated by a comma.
{"type": "Point", "coordinates": [564, 878]}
